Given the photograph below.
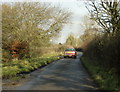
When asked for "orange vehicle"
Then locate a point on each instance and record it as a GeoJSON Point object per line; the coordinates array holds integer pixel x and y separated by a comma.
{"type": "Point", "coordinates": [70, 52]}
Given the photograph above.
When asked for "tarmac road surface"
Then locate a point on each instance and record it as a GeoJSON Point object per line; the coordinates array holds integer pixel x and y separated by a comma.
{"type": "Point", "coordinates": [64, 74]}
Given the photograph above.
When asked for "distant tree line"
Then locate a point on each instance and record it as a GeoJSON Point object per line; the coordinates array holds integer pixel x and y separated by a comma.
{"type": "Point", "coordinates": [73, 41]}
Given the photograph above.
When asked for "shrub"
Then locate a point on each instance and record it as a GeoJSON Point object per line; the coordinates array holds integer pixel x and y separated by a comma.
{"type": "Point", "coordinates": [6, 56]}
{"type": "Point", "coordinates": [19, 49]}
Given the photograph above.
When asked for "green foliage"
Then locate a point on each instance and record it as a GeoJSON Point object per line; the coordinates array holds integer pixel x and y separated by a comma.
{"type": "Point", "coordinates": [70, 40]}
{"type": "Point", "coordinates": [101, 54]}
{"type": "Point", "coordinates": [13, 68]}
{"type": "Point", "coordinates": [6, 55]}
{"type": "Point", "coordinates": [106, 49]}
{"type": "Point", "coordinates": [106, 79]}
{"type": "Point", "coordinates": [73, 41]}
{"type": "Point", "coordinates": [10, 71]}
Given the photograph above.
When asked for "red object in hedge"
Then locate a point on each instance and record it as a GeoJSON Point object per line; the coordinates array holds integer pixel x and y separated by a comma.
{"type": "Point", "coordinates": [19, 49]}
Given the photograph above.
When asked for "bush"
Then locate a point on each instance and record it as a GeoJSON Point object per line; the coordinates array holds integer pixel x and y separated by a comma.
{"type": "Point", "coordinates": [107, 80]}
{"type": "Point", "coordinates": [102, 60]}
{"type": "Point", "coordinates": [6, 56]}
{"type": "Point", "coordinates": [19, 49]}
{"type": "Point", "coordinates": [106, 50]}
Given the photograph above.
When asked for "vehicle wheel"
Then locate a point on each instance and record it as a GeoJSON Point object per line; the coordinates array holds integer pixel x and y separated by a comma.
{"type": "Point", "coordinates": [64, 56]}
{"type": "Point", "coordinates": [74, 57]}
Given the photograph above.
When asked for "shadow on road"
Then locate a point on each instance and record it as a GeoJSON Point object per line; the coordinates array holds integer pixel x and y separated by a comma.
{"type": "Point", "coordinates": [66, 74]}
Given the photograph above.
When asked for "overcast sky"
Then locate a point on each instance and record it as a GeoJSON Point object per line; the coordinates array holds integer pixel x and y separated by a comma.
{"type": "Point", "coordinates": [79, 11]}
{"type": "Point", "coordinates": [75, 6]}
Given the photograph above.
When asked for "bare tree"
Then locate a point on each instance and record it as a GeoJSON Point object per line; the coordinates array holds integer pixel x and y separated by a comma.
{"type": "Point", "coordinates": [106, 14]}
{"type": "Point", "coordinates": [35, 23]}
{"type": "Point", "coordinates": [90, 27]}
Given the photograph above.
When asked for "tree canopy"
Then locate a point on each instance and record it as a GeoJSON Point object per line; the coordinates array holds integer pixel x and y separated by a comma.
{"type": "Point", "coordinates": [33, 23]}
{"type": "Point", "coordinates": [106, 14]}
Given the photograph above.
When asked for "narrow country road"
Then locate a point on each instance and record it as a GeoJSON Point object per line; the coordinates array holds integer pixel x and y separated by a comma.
{"type": "Point", "coordinates": [64, 74]}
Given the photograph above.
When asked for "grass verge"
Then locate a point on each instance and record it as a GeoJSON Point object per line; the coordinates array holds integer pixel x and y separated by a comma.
{"type": "Point", "coordinates": [16, 68]}
{"type": "Point", "coordinates": [107, 80]}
